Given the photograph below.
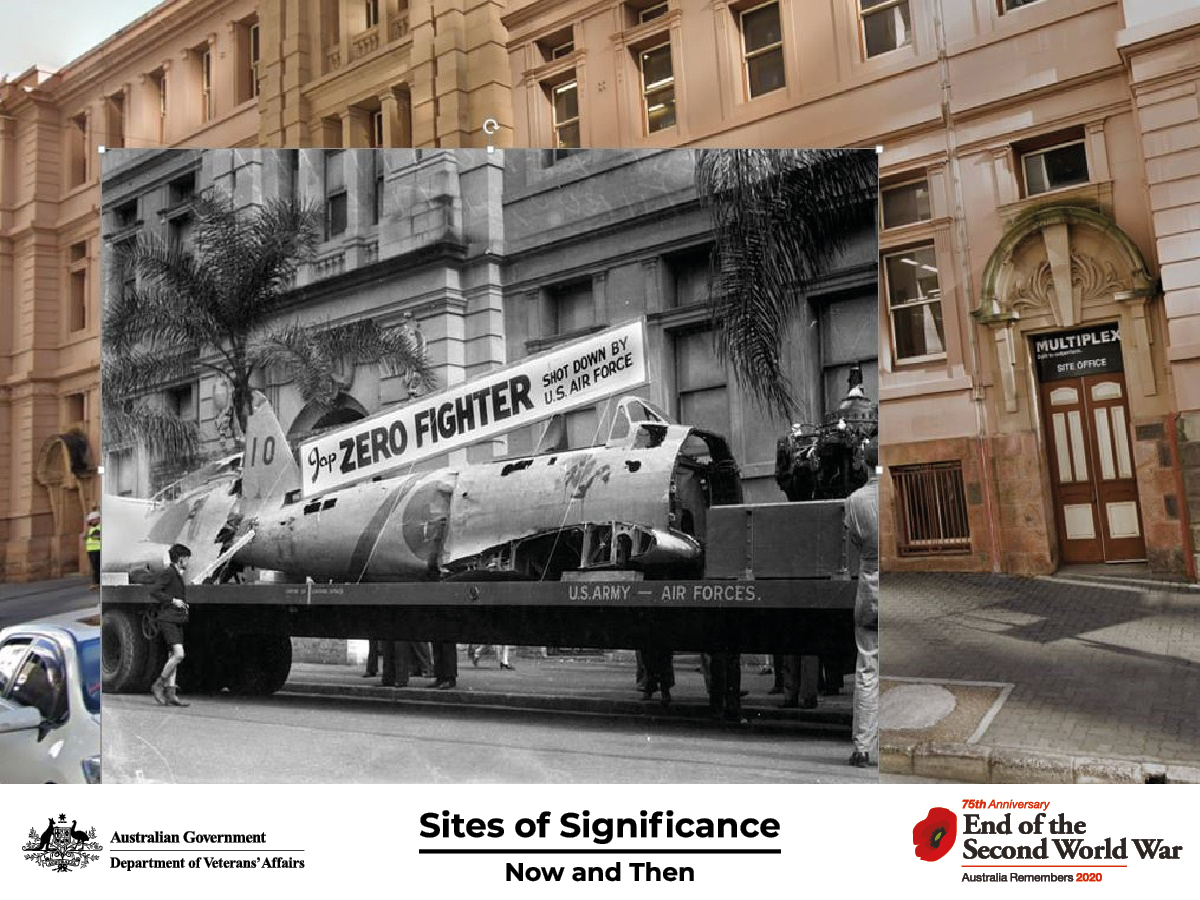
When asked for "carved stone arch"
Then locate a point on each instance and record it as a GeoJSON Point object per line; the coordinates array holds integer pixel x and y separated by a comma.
{"type": "Point", "coordinates": [317, 417]}
{"type": "Point", "coordinates": [64, 469]}
{"type": "Point", "coordinates": [1063, 266]}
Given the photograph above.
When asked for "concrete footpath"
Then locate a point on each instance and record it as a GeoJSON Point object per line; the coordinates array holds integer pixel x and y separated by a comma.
{"type": "Point", "coordinates": [990, 678]}
{"type": "Point", "coordinates": [590, 685]}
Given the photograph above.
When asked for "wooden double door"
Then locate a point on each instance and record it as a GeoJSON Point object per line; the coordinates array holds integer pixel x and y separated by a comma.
{"type": "Point", "coordinates": [1087, 426]}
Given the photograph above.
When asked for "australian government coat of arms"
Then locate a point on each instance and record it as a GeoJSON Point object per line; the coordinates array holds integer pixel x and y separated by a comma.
{"type": "Point", "coordinates": [62, 847]}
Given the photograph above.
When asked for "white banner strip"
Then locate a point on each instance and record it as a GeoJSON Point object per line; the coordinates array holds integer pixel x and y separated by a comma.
{"type": "Point", "coordinates": [585, 371]}
{"type": "Point", "coordinates": [686, 840]}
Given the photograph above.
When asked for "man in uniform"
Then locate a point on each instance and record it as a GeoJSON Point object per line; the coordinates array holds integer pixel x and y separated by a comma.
{"type": "Point", "coordinates": [168, 590]}
{"type": "Point", "coordinates": [862, 525]}
{"type": "Point", "coordinates": [91, 543]}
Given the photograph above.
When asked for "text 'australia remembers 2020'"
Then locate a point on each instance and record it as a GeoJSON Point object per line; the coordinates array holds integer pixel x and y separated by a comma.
{"type": "Point", "coordinates": [580, 373]}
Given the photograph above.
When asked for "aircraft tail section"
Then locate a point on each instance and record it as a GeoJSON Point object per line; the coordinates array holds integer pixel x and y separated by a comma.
{"type": "Point", "coordinates": [269, 470]}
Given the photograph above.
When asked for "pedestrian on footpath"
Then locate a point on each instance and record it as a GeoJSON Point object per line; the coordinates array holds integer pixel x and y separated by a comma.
{"type": "Point", "coordinates": [502, 651]}
{"type": "Point", "coordinates": [862, 526]}
{"type": "Point", "coordinates": [91, 544]}
{"type": "Point", "coordinates": [169, 591]}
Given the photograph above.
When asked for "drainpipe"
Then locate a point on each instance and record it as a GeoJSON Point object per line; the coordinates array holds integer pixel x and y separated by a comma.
{"type": "Point", "coordinates": [963, 263]}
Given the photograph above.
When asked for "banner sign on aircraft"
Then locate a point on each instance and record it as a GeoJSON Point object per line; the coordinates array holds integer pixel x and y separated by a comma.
{"type": "Point", "coordinates": [585, 371]}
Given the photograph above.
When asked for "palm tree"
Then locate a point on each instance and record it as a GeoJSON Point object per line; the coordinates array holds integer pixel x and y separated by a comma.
{"type": "Point", "coordinates": [215, 307]}
{"type": "Point", "coordinates": [780, 217]}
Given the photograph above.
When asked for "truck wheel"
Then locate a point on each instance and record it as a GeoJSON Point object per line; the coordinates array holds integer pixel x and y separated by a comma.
{"type": "Point", "coordinates": [123, 650]}
{"type": "Point", "coordinates": [203, 670]}
{"type": "Point", "coordinates": [262, 663]}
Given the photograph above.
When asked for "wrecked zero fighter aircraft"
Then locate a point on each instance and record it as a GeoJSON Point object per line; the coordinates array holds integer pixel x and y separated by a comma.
{"type": "Point", "coordinates": [637, 502]}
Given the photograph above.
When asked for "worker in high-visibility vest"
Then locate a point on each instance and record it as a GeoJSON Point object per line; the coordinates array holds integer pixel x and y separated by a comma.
{"type": "Point", "coordinates": [91, 543]}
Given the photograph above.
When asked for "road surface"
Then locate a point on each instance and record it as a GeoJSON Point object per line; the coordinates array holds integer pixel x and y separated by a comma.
{"type": "Point", "coordinates": [323, 740]}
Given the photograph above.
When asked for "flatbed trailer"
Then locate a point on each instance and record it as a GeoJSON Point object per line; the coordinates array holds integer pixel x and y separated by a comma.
{"type": "Point", "coordinates": [238, 636]}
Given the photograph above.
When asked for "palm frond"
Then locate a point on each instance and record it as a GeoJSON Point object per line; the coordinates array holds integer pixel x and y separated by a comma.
{"type": "Point", "coordinates": [780, 217]}
{"type": "Point", "coordinates": [164, 434]}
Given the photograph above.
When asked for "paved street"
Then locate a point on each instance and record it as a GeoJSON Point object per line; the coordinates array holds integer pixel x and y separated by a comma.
{"type": "Point", "coordinates": [34, 600]}
{"type": "Point", "coordinates": [1099, 671]}
{"type": "Point", "coordinates": [312, 739]}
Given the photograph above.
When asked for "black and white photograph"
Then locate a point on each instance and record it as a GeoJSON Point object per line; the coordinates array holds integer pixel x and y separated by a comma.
{"type": "Point", "coordinates": [512, 466]}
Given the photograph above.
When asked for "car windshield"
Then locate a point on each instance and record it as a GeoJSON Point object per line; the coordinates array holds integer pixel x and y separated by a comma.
{"type": "Point", "coordinates": [89, 669]}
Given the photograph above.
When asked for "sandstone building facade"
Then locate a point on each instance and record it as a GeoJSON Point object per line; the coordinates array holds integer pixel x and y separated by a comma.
{"type": "Point", "coordinates": [1041, 188]}
{"type": "Point", "coordinates": [1041, 182]}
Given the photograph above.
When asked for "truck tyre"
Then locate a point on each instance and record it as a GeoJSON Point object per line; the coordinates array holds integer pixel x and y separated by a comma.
{"type": "Point", "coordinates": [124, 650]}
{"type": "Point", "coordinates": [261, 664]}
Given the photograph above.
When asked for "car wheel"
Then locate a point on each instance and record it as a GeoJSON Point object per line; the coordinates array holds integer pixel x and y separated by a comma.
{"type": "Point", "coordinates": [123, 650]}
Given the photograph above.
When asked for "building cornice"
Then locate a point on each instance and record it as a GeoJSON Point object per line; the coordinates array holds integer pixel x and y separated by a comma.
{"type": "Point", "coordinates": [86, 73]}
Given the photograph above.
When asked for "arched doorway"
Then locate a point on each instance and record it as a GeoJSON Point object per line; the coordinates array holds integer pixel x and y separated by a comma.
{"type": "Point", "coordinates": [1067, 298]}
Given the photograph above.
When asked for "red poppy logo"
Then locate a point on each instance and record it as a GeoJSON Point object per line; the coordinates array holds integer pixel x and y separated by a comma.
{"type": "Point", "coordinates": [934, 835]}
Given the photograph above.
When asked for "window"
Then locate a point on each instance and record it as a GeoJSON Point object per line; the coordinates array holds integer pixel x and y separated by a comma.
{"type": "Point", "coordinates": [181, 401]}
{"type": "Point", "coordinates": [376, 136]}
{"type": "Point", "coordinates": [1010, 5]}
{"type": "Point", "coordinates": [915, 303]}
{"type": "Point", "coordinates": [658, 87]}
{"type": "Point", "coordinates": [158, 81]}
{"type": "Point", "coordinates": [115, 106]}
{"type": "Point", "coordinates": [762, 42]}
{"type": "Point", "coordinates": [180, 230]}
{"type": "Point", "coordinates": [885, 25]}
{"type": "Point", "coordinates": [292, 158]}
{"type": "Point", "coordinates": [122, 260]}
{"type": "Point", "coordinates": [206, 94]}
{"type": "Point", "coordinates": [931, 509]}
{"type": "Point", "coordinates": [652, 12]}
{"type": "Point", "coordinates": [10, 657]}
{"type": "Point", "coordinates": [76, 409]}
{"type": "Point", "coordinates": [183, 189]}
{"type": "Point", "coordinates": [571, 307]}
{"type": "Point", "coordinates": [125, 216]}
{"type": "Point", "coordinates": [77, 273]}
{"type": "Point", "coordinates": [689, 276]}
{"type": "Point", "coordinates": [905, 203]}
{"type": "Point", "coordinates": [371, 12]}
{"type": "Point", "coordinates": [254, 58]}
{"type": "Point", "coordinates": [77, 134]}
{"type": "Point", "coordinates": [335, 194]}
{"type": "Point", "coordinates": [1054, 167]}
{"type": "Point", "coordinates": [39, 682]}
{"type": "Point", "coordinates": [122, 471]}
{"type": "Point", "coordinates": [565, 108]}
{"type": "Point", "coordinates": [380, 169]}
{"type": "Point", "coordinates": [702, 393]}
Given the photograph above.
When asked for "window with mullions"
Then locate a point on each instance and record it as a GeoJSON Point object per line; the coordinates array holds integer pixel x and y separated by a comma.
{"type": "Point", "coordinates": [206, 94]}
{"type": "Point", "coordinates": [905, 203]}
{"type": "Point", "coordinates": [658, 87]}
{"type": "Point", "coordinates": [253, 74]}
{"type": "Point", "coordinates": [564, 99]}
{"type": "Point", "coordinates": [914, 303]}
{"type": "Point", "coordinates": [335, 194]}
{"type": "Point", "coordinates": [886, 25]}
{"type": "Point", "coordinates": [762, 46]}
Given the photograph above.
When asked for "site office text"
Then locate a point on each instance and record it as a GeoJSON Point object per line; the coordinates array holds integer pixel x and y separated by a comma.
{"type": "Point", "coordinates": [1069, 840]}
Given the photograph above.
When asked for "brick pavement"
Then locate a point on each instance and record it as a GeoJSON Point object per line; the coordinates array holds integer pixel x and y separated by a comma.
{"type": "Point", "coordinates": [1098, 671]}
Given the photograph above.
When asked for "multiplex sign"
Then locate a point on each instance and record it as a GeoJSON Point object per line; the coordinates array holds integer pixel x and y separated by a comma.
{"type": "Point", "coordinates": [1072, 354]}
{"type": "Point", "coordinates": [587, 370]}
